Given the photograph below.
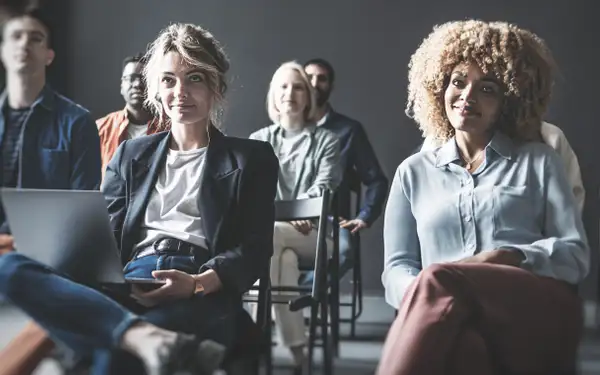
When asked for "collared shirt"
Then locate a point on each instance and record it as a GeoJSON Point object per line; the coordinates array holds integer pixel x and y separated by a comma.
{"type": "Point", "coordinates": [554, 137]}
{"type": "Point", "coordinates": [518, 199]}
{"type": "Point", "coordinates": [113, 131]}
{"type": "Point", "coordinates": [317, 162]}
{"type": "Point", "coordinates": [59, 146]}
{"type": "Point", "coordinates": [324, 118]}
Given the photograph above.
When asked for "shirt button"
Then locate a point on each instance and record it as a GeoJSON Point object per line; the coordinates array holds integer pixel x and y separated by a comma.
{"type": "Point", "coordinates": [471, 247]}
{"type": "Point", "coordinates": [468, 218]}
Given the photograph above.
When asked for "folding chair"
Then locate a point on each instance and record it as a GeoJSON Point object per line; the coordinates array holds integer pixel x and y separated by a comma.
{"type": "Point", "coordinates": [317, 297]}
{"type": "Point", "coordinates": [356, 303]}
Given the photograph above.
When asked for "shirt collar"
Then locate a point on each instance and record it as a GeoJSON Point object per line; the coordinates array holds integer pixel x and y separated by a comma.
{"type": "Point", "coordinates": [325, 117]}
{"type": "Point", "coordinates": [45, 99]}
{"type": "Point", "coordinates": [308, 128]}
{"type": "Point", "coordinates": [500, 144]}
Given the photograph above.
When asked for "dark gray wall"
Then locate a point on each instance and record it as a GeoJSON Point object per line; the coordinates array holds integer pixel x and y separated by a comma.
{"type": "Point", "coordinates": [368, 42]}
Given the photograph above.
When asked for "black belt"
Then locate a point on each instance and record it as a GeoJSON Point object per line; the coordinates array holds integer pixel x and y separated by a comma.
{"type": "Point", "coordinates": [173, 246]}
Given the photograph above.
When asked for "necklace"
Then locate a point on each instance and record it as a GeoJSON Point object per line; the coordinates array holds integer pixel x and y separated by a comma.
{"type": "Point", "coordinates": [469, 163]}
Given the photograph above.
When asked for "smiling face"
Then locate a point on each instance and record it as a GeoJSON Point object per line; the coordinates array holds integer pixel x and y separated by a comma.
{"type": "Point", "coordinates": [183, 92]}
{"type": "Point", "coordinates": [290, 93]}
{"type": "Point", "coordinates": [473, 100]}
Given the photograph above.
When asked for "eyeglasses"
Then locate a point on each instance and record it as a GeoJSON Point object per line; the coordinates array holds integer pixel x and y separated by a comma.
{"type": "Point", "coordinates": [132, 78]}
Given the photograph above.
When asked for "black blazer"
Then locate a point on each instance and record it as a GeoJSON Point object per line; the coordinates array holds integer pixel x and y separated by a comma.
{"type": "Point", "coordinates": [236, 199]}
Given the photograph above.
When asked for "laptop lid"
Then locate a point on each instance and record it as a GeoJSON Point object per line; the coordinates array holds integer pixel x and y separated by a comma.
{"type": "Point", "coordinates": [67, 230]}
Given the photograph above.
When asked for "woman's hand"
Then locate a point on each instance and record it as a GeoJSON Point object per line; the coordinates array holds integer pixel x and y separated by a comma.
{"type": "Point", "coordinates": [178, 285]}
{"type": "Point", "coordinates": [6, 243]}
{"type": "Point", "coordinates": [498, 256]}
{"type": "Point", "coordinates": [302, 226]}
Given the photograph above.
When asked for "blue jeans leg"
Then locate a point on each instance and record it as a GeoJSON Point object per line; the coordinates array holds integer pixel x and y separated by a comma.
{"type": "Point", "coordinates": [207, 317]}
{"type": "Point", "coordinates": [76, 315]}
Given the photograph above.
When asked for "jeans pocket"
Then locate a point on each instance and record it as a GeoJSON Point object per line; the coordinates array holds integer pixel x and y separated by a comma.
{"type": "Point", "coordinates": [182, 263]}
{"type": "Point", "coordinates": [141, 267]}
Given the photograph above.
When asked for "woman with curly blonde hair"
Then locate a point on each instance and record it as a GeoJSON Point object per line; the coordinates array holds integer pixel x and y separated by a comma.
{"type": "Point", "coordinates": [484, 244]}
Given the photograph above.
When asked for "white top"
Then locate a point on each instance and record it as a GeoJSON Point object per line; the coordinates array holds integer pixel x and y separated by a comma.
{"type": "Point", "coordinates": [291, 152]}
{"type": "Point", "coordinates": [173, 209]}
{"type": "Point", "coordinates": [324, 118]}
{"type": "Point", "coordinates": [554, 137]}
{"type": "Point", "coordinates": [135, 131]}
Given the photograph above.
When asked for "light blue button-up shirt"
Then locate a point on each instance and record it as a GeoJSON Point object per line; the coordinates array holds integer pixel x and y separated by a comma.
{"type": "Point", "coordinates": [519, 198]}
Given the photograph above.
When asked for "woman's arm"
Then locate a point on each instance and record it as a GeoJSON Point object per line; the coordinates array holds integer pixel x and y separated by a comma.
{"type": "Point", "coordinates": [329, 172]}
{"type": "Point", "coordinates": [239, 268]}
{"type": "Point", "coordinates": [114, 189]}
{"type": "Point", "coordinates": [402, 251]}
{"type": "Point", "coordinates": [564, 252]}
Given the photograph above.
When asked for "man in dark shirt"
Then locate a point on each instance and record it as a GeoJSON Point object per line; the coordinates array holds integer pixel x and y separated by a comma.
{"type": "Point", "coordinates": [359, 160]}
{"type": "Point", "coordinates": [46, 142]}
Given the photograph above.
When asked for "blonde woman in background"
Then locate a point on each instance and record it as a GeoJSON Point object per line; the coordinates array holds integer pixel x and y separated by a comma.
{"type": "Point", "coordinates": [309, 164]}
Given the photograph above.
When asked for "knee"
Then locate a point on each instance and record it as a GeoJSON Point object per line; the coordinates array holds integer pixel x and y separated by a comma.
{"type": "Point", "coordinates": [280, 234]}
{"type": "Point", "coordinates": [11, 265]}
{"type": "Point", "coordinates": [279, 230]}
{"type": "Point", "coordinates": [435, 274]}
{"type": "Point", "coordinates": [288, 259]}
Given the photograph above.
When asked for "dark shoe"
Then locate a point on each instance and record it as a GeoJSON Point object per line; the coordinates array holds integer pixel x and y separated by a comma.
{"type": "Point", "coordinates": [188, 356]}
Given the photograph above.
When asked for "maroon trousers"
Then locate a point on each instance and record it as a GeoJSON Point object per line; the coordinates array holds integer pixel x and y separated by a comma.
{"type": "Point", "coordinates": [484, 319]}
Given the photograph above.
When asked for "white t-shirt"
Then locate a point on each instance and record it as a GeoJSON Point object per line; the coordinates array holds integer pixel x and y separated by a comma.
{"type": "Point", "coordinates": [135, 131]}
{"type": "Point", "coordinates": [292, 149]}
{"type": "Point", "coordinates": [173, 209]}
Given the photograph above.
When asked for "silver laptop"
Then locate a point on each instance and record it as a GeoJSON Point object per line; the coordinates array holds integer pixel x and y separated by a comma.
{"type": "Point", "coordinates": [67, 230]}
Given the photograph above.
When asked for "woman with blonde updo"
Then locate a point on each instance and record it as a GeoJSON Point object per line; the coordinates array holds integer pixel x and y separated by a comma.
{"type": "Point", "coordinates": [190, 206]}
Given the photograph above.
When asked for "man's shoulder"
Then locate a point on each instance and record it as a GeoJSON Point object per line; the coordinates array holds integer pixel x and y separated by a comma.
{"type": "Point", "coordinates": [340, 120]}
{"type": "Point", "coordinates": [110, 118]}
{"type": "Point", "coordinates": [68, 108]}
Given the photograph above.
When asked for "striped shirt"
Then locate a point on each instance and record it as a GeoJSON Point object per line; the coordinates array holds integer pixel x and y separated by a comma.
{"type": "Point", "coordinates": [11, 144]}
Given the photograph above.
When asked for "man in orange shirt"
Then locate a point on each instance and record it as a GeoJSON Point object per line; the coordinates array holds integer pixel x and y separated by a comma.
{"type": "Point", "coordinates": [133, 121]}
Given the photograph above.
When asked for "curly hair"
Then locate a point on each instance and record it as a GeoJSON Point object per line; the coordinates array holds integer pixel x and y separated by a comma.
{"type": "Point", "coordinates": [517, 58]}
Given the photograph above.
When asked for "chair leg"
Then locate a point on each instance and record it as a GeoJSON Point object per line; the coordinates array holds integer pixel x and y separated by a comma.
{"type": "Point", "coordinates": [335, 321]}
{"type": "Point", "coordinates": [327, 355]}
{"type": "Point", "coordinates": [312, 333]}
{"type": "Point", "coordinates": [354, 301]}
{"type": "Point", "coordinates": [268, 359]}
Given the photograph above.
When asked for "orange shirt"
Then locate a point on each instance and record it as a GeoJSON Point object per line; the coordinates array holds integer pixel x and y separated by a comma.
{"type": "Point", "coordinates": [113, 131]}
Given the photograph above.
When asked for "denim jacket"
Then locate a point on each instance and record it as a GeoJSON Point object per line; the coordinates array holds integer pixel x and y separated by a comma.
{"type": "Point", "coordinates": [60, 146]}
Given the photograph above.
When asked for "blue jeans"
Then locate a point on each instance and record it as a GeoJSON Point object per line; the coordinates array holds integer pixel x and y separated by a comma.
{"type": "Point", "coordinates": [346, 258]}
{"type": "Point", "coordinates": [92, 324]}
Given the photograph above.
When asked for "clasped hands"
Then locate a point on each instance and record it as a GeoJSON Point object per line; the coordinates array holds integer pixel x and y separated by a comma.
{"type": "Point", "coordinates": [498, 256]}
